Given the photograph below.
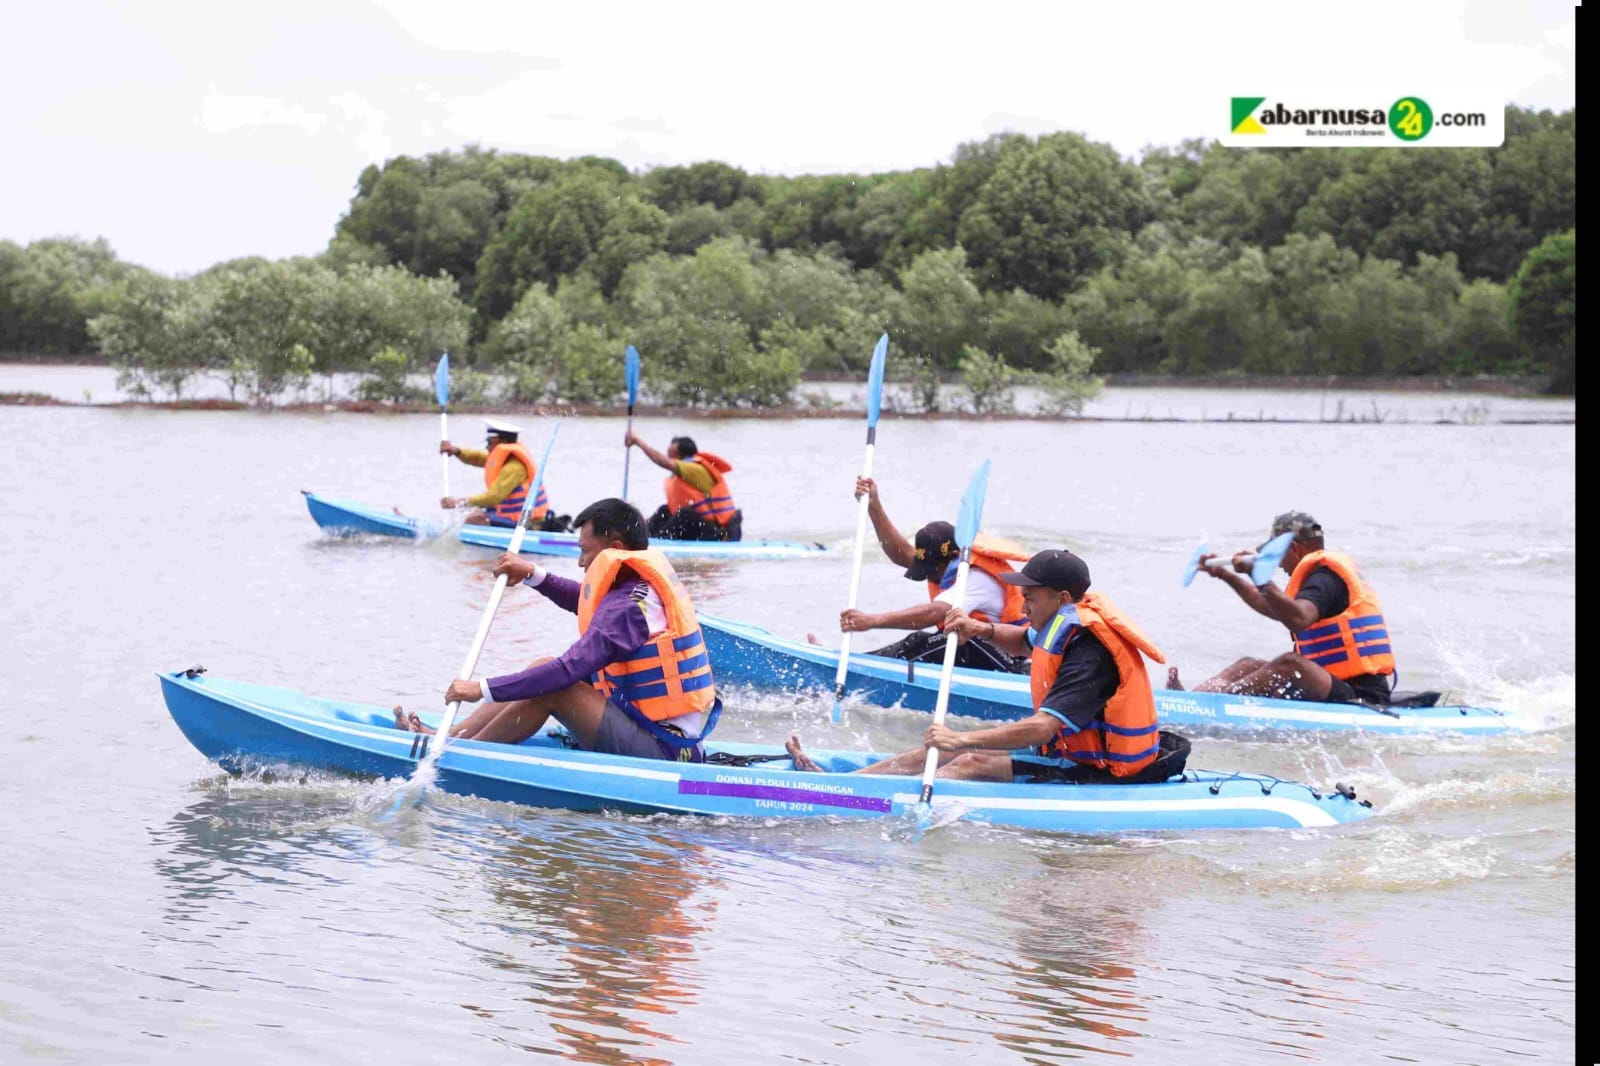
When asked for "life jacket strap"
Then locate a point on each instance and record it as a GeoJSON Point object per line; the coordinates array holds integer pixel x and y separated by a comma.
{"type": "Point", "coordinates": [671, 736]}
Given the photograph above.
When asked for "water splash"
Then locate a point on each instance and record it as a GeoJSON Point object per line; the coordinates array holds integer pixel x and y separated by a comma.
{"type": "Point", "coordinates": [1510, 787]}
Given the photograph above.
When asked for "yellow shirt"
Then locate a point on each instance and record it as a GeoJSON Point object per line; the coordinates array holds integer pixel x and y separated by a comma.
{"type": "Point", "coordinates": [512, 474]}
{"type": "Point", "coordinates": [695, 474]}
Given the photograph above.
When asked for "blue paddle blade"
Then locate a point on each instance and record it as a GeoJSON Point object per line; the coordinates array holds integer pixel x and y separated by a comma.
{"type": "Point", "coordinates": [633, 376]}
{"type": "Point", "coordinates": [1268, 558]}
{"type": "Point", "coordinates": [1192, 567]}
{"type": "Point", "coordinates": [972, 506]}
{"type": "Point", "coordinates": [441, 380]}
{"type": "Point", "coordinates": [880, 355]}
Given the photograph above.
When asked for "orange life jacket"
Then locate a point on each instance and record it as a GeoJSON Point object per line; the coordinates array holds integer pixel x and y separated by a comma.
{"type": "Point", "coordinates": [717, 505]}
{"type": "Point", "coordinates": [994, 556]}
{"type": "Point", "coordinates": [670, 674]}
{"type": "Point", "coordinates": [510, 508]}
{"type": "Point", "coordinates": [1128, 737]}
{"type": "Point", "coordinates": [1349, 644]}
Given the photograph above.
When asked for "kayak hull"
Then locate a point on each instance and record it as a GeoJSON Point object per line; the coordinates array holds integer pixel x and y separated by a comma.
{"type": "Point", "coordinates": [346, 518]}
{"type": "Point", "coordinates": [748, 654]}
{"type": "Point", "coordinates": [244, 726]}
{"type": "Point", "coordinates": [536, 542]}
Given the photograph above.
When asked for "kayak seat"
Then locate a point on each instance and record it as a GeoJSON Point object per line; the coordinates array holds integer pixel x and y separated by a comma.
{"type": "Point", "coordinates": [1415, 699]}
{"type": "Point", "coordinates": [345, 714]}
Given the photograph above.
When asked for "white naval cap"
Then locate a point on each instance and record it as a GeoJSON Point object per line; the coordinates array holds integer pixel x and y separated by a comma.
{"type": "Point", "coordinates": [501, 427]}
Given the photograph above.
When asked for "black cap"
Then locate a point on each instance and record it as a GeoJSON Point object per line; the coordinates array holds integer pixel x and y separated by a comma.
{"type": "Point", "coordinates": [936, 547]}
{"type": "Point", "coordinates": [1056, 569]}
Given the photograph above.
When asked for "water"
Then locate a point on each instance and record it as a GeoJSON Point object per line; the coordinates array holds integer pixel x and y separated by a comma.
{"type": "Point", "coordinates": [160, 911]}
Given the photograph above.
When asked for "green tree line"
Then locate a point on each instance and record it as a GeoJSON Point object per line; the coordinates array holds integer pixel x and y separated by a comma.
{"type": "Point", "coordinates": [1049, 256]}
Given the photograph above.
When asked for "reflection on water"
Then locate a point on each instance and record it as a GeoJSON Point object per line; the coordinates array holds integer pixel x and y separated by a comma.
{"type": "Point", "coordinates": [619, 901]}
{"type": "Point", "coordinates": [594, 922]}
{"type": "Point", "coordinates": [1074, 970]}
{"type": "Point", "coordinates": [264, 835]}
{"type": "Point", "coordinates": [612, 939]}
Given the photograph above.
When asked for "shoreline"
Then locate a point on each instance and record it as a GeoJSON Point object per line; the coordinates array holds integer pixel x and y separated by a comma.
{"type": "Point", "coordinates": [1509, 385]}
{"type": "Point", "coordinates": [374, 407]}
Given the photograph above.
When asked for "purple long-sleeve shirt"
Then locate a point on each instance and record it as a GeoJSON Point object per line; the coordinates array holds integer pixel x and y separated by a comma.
{"type": "Point", "coordinates": [617, 630]}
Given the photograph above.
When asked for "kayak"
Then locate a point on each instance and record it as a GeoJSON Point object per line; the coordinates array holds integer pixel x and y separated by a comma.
{"type": "Point", "coordinates": [346, 519]}
{"type": "Point", "coordinates": [566, 544]}
{"type": "Point", "coordinates": [748, 654]}
{"type": "Point", "coordinates": [245, 727]}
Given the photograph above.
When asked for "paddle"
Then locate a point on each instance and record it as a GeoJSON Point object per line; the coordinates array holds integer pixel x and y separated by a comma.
{"type": "Point", "coordinates": [429, 757]}
{"type": "Point", "coordinates": [966, 530]}
{"type": "Point", "coordinates": [441, 389]}
{"type": "Point", "coordinates": [633, 396]}
{"type": "Point", "coordinates": [880, 354]}
{"type": "Point", "coordinates": [1264, 562]}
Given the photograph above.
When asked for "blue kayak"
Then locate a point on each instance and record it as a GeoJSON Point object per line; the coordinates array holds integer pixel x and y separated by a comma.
{"type": "Point", "coordinates": [566, 544]}
{"type": "Point", "coordinates": [748, 654]}
{"type": "Point", "coordinates": [344, 518]}
{"type": "Point", "coordinates": [245, 727]}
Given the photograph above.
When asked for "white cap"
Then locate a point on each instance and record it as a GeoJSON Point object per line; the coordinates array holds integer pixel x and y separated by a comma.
{"type": "Point", "coordinates": [495, 425]}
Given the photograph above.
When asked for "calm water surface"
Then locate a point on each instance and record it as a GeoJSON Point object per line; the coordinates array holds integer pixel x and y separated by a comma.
{"type": "Point", "coordinates": [160, 911]}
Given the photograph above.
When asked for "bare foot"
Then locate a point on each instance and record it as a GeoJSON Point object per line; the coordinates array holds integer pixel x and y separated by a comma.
{"type": "Point", "coordinates": [802, 761]}
{"type": "Point", "coordinates": [408, 720]}
{"type": "Point", "coordinates": [399, 512]}
{"type": "Point", "coordinates": [1172, 679]}
{"type": "Point", "coordinates": [811, 638]}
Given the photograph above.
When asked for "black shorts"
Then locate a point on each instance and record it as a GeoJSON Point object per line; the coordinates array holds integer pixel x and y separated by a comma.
{"type": "Point", "coordinates": [621, 735]}
{"type": "Point", "coordinates": [550, 523]}
{"type": "Point", "coordinates": [684, 524]}
{"type": "Point", "coordinates": [1368, 688]}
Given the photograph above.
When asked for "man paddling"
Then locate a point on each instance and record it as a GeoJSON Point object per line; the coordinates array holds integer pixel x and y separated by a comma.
{"type": "Point", "coordinates": [636, 682]}
{"type": "Point", "coordinates": [1093, 705]}
{"type": "Point", "coordinates": [508, 473]}
{"type": "Point", "coordinates": [931, 558]}
{"type": "Point", "coordinates": [1341, 641]}
{"type": "Point", "coordinates": [699, 504]}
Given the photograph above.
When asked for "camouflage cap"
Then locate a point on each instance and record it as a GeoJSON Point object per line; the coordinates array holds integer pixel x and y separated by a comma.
{"type": "Point", "coordinates": [1302, 525]}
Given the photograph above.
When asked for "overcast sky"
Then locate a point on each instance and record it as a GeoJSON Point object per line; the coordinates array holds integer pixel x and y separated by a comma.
{"type": "Point", "coordinates": [190, 133]}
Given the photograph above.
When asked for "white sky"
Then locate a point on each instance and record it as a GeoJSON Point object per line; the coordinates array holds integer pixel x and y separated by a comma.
{"type": "Point", "coordinates": [190, 133]}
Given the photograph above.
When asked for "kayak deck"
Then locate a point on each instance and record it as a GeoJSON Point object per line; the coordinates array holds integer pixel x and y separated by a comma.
{"type": "Point", "coordinates": [536, 542]}
{"type": "Point", "coordinates": [748, 654]}
{"type": "Point", "coordinates": [242, 725]}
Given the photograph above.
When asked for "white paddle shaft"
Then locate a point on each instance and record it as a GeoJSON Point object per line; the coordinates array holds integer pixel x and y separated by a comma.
{"type": "Point", "coordinates": [627, 454]}
{"type": "Point", "coordinates": [1223, 562]}
{"type": "Point", "coordinates": [444, 459]}
{"type": "Point", "coordinates": [442, 734]}
{"type": "Point", "coordinates": [855, 575]}
{"type": "Point", "coordinates": [946, 674]}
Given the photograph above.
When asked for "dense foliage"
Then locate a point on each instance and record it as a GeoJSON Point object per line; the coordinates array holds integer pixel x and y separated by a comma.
{"type": "Point", "coordinates": [1022, 259]}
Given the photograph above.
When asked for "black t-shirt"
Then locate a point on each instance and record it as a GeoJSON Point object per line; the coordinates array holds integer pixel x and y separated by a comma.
{"type": "Point", "coordinates": [1087, 679]}
{"type": "Point", "coordinates": [1327, 592]}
